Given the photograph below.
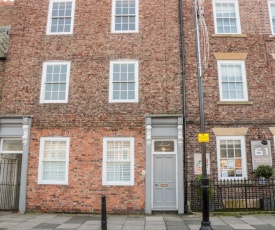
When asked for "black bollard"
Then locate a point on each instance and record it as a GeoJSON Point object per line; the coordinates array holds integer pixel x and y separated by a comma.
{"type": "Point", "coordinates": [103, 213]}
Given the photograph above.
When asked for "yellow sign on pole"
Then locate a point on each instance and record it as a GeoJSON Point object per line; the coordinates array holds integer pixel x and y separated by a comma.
{"type": "Point", "coordinates": [203, 137]}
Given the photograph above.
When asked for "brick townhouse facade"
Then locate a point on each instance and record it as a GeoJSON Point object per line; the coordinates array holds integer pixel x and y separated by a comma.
{"type": "Point", "coordinates": [94, 96]}
{"type": "Point", "coordinates": [83, 82]}
{"type": "Point", "coordinates": [238, 88]}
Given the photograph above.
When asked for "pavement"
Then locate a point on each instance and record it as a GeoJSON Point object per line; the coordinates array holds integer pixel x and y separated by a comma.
{"type": "Point", "coordinates": [17, 221]}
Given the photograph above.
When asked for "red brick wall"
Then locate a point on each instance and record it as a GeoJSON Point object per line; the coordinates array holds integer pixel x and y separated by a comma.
{"type": "Point", "coordinates": [5, 14]}
{"type": "Point", "coordinates": [83, 194]}
{"type": "Point", "coordinates": [90, 49]}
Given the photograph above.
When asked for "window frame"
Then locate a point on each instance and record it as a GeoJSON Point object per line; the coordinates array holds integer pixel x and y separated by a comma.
{"type": "Point", "coordinates": [2, 141]}
{"type": "Point", "coordinates": [43, 81]}
{"type": "Point", "coordinates": [104, 162]}
{"type": "Point", "coordinates": [244, 79]}
{"type": "Point", "coordinates": [113, 30]}
{"type": "Point", "coordinates": [49, 20]}
{"type": "Point", "coordinates": [238, 20]}
{"type": "Point", "coordinates": [243, 157]}
{"type": "Point", "coordinates": [111, 99]}
{"type": "Point", "coordinates": [270, 16]}
{"type": "Point", "coordinates": [41, 160]}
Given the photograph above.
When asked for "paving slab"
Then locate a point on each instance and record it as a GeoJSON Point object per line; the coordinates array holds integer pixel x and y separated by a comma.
{"type": "Point", "coordinates": [252, 220]}
{"type": "Point", "coordinates": [194, 227]}
{"type": "Point", "coordinates": [218, 227]}
{"type": "Point", "coordinates": [69, 226]}
{"type": "Point", "coordinates": [193, 222]}
{"type": "Point", "coordinates": [89, 227]}
{"type": "Point", "coordinates": [174, 223]}
{"type": "Point", "coordinates": [133, 227]}
{"type": "Point", "coordinates": [178, 227]}
{"type": "Point", "coordinates": [264, 227]}
{"type": "Point", "coordinates": [78, 219]}
{"type": "Point", "coordinates": [134, 222]}
{"type": "Point", "coordinates": [154, 218]}
{"type": "Point", "coordinates": [154, 227]}
{"type": "Point", "coordinates": [241, 226]}
{"type": "Point", "coordinates": [46, 226]}
{"type": "Point", "coordinates": [155, 222]}
{"type": "Point", "coordinates": [115, 226]}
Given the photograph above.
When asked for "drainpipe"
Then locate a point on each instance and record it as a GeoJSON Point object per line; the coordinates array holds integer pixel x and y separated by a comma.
{"type": "Point", "coordinates": [184, 106]}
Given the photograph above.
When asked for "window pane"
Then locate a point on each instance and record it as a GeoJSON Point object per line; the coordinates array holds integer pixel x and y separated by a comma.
{"type": "Point", "coordinates": [131, 95]}
{"type": "Point", "coordinates": [63, 78]}
{"type": "Point", "coordinates": [123, 76]}
{"type": "Point", "coordinates": [48, 95]}
{"type": "Point", "coordinates": [124, 27]}
{"type": "Point", "coordinates": [124, 95]}
{"type": "Point", "coordinates": [120, 171]}
{"type": "Point", "coordinates": [131, 86]}
{"type": "Point", "coordinates": [132, 26]}
{"type": "Point", "coordinates": [53, 29]}
{"type": "Point", "coordinates": [54, 171]}
{"type": "Point", "coordinates": [48, 87]}
{"type": "Point", "coordinates": [124, 86]}
{"type": "Point", "coordinates": [116, 95]}
{"type": "Point", "coordinates": [12, 145]}
{"type": "Point", "coordinates": [49, 78]}
{"type": "Point", "coordinates": [223, 153]}
{"type": "Point", "coordinates": [116, 86]}
{"type": "Point", "coordinates": [62, 96]}
{"type": "Point", "coordinates": [223, 144]}
{"type": "Point", "coordinates": [67, 28]}
{"type": "Point", "coordinates": [230, 153]}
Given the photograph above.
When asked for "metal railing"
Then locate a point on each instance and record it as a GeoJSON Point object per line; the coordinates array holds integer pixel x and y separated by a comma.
{"type": "Point", "coordinates": [10, 171]}
{"type": "Point", "coordinates": [236, 195]}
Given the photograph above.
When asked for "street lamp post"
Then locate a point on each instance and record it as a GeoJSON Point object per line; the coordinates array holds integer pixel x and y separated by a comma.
{"type": "Point", "coordinates": [205, 224]}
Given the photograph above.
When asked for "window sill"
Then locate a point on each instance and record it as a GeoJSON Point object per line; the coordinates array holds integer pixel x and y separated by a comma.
{"type": "Point", "coordinates": [229, 35]}
{"type": "Point", "coordinates": [271, 36]}
{"type": "Point", "coordinates": [235, 103]}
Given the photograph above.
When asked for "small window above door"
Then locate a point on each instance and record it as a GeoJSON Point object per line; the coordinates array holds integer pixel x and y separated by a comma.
{"type": "Point", "coordinates": [11, 145]}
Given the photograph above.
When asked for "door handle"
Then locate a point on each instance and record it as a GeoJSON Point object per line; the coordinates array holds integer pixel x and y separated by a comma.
{"type": "Point", "coordinates": [156, 185]}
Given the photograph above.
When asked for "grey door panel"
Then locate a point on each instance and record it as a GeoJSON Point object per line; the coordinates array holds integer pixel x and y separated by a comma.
{"type": "Point", "coordinates": [164, 182]}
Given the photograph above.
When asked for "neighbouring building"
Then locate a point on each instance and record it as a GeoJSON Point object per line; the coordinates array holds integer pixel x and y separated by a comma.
{"type": "Point", "coordinates": [238, 60]}
{"type": "Point", "coordinates": [95, 98]}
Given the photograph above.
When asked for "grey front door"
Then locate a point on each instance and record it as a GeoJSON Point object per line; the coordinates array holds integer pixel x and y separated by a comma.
{"type": "Point", "coordinates": [164, 182]}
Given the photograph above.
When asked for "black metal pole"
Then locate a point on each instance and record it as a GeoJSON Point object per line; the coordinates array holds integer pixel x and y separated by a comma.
{"type": "Point", "coordinates": [205, 224]}
{"type": "Point", "coordinates": [184, 106]}
{"type": "Point", "coordinates": [103, 213]}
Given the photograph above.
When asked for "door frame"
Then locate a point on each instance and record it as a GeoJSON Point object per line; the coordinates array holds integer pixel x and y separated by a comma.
{"type": "Point", "coordinates": [19, 127]}
{"type": "Point", "coordinates": [152, 167]}
{"type": "Point", "coordinates": [164, 127]}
